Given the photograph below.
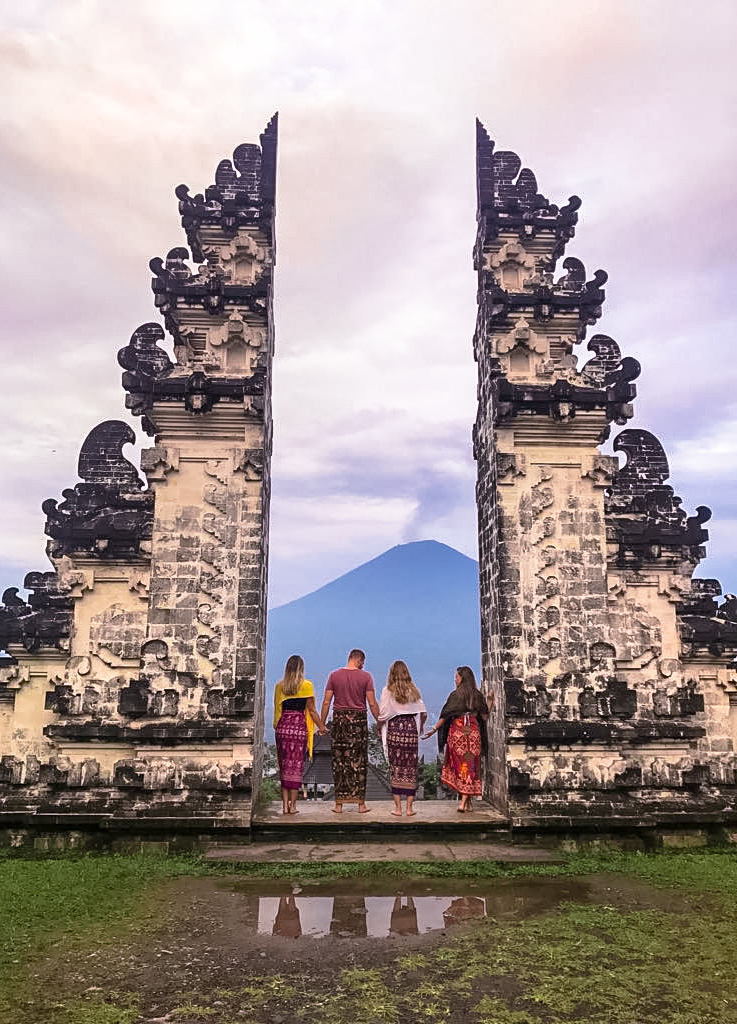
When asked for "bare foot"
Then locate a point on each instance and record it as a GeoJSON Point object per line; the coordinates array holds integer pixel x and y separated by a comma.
{"type": "Point", "coordinates": [293, 810]}
{"type": "Point", "coordinates": [397, 814]}
{"type": "Point", "coordinates": [338, 810]}
{"type": "Point", "coordinates": [363, 809]}
{"type": "Point", "coordinates": [411, 814]}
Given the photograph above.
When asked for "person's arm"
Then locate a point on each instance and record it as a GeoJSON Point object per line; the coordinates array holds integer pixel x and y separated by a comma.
{"type": "Point", "coordinates": [326, 702]}
{"type": "Point", "coordinates": [312, 712]}
{"type": "Point", "coordinates": [432, 732]}
{"type": "Point", "coordinates": [484, 715]}
{"type": "Point", "coordinates": [371, 699]}
{"type": "Point", "coordinates": [423, 719]}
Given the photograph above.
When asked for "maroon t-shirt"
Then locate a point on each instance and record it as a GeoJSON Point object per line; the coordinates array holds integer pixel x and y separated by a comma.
{"type": "Point", "coordinates": [350, 686]}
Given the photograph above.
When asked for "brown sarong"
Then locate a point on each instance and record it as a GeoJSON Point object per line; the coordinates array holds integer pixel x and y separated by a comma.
{"type": "Point", "coordinates": [349, 749]}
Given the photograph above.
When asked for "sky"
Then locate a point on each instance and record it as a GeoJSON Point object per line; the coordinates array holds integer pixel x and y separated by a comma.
{"type": "Point", "coordinates": [107, 107]}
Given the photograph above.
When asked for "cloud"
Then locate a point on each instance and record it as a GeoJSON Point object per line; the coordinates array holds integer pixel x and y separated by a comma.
{"type": "Point", "coordinates": [107, 108]}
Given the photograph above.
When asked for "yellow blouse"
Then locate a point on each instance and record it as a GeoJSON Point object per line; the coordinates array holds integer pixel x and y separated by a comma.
{"type": "Point", "coordinates": [305, 690]}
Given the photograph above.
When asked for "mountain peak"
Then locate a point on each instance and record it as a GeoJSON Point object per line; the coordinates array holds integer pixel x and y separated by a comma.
{"type": "Point", "coordinates": [428, 559]}
{"type": "Point", "coordinates": [417, 601]}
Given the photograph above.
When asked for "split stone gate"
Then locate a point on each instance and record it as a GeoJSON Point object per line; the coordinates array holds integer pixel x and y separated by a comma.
{"type": "Point", "coordinates": [132, 689]}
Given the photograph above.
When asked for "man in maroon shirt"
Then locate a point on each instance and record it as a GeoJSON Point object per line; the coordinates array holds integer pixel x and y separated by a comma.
{"type": "Point", "coordinates": [349, 690]}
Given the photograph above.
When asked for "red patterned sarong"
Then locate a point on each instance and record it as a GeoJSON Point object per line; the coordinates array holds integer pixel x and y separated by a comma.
{"type": "Point", "coordinates": [401, 741]}
{"type": "Point", "coordinates": [291, 745]}
{"type": "Point", "coordinates": [462, 766]}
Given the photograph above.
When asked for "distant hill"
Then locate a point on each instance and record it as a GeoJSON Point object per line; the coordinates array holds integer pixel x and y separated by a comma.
{"type": "Point", "coordinates": [418, 602]}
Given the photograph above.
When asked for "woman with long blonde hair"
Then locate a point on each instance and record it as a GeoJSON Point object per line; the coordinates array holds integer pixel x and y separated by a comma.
{"type": "Point", "coordinates": [402, 716]}
{"type": "Point", "coordinates": [295, 720]}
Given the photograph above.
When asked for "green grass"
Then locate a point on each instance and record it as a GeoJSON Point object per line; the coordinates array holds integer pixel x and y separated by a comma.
{"type": "Point", "coordinates": [39, 898]}
{"type": "Point", "coordinates": [590, 964]}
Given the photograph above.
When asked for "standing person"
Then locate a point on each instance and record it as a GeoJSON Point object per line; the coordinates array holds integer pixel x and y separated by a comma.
{"type": "Point", "coordinates": [402, 717]}
{"type": "Point", "coordinates": [462, 732]}
{"type": "Point", "coordinates": [351, 689]}
{"type": "Point", "coordinates": [295, 720]}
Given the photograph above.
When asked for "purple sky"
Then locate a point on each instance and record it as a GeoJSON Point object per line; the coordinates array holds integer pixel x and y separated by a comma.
{"type": "Point", "coordinates": [107, 107]}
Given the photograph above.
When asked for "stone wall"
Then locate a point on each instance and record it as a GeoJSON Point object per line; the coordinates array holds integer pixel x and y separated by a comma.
{"type": "Point", "coordinates": [616, 702]}
{"type": "Point", "coordinates": [133, 687]}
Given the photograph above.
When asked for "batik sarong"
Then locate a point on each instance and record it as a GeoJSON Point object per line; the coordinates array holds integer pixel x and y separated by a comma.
{"type": "Point", "coordinates": [462, 765]}
{"type": "Point", "coordinates": [349, 748]}
{"type": "Point", "coordinates": [401, 741]}
{"type": "Point", "coordinates": [291, 746]}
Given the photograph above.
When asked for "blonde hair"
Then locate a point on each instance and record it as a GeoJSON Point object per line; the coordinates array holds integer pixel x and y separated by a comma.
{"type": "Point", "coordinates": [400, 685]}
{"type": "Point", "coordinates": [294, 676]}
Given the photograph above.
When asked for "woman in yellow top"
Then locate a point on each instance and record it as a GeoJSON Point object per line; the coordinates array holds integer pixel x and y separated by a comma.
{"type": "Point", "coordinates": [295, 719]}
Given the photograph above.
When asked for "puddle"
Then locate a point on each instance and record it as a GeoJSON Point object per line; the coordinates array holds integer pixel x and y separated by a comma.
{"type": "Point", "coordinates": [415, 910]}
{"type": "Point", "coordinates": [235, 912]}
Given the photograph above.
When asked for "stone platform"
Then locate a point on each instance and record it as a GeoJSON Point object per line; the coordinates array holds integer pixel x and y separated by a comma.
{"type": "Point", "coordinates": [434, 819]}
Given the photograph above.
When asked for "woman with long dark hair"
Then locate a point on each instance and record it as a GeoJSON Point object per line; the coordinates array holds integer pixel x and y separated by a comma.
{"type": "Point", "coordinates": [295, 721]}
{"type": "Point", "coordinates": [461, 730]}
{"type": "Point", "coordinates": [402, 716]}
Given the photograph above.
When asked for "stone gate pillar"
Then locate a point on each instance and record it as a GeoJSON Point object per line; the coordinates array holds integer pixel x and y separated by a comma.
{"type": "Point", "coordinates": [210, 414]}
{"type": "Point", "coordinates": [603, 713]}
{"type": "Point", "coordinates": [132, 696]}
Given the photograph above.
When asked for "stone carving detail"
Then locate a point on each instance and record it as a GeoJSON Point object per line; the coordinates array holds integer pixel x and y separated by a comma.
{"type": "Point", "coordinates": [243, 193]}
{"type": "Point", "coordinates": [107, 515]}
{"type": "Point", "coordinates": [508, 198]}
{"type": "Point", "coordinates": [145, 364]}
{"type": "Point", "coordinates": [646, 521]}
{"type": "Point", "coordinates": [117, 633]}
{"type": "Point", "coordinates": [175, 286]}
{"type": "Point", "coordinates": [149, 378]}
{"type": "Point", "coordinates": [242, 343]}
{"type": "Point", "coordinates": [606, 359]}
{"type": "Point", "coordinates": [44, 620]}
{"type": "Point", "coordinates": [521, 334]}
{"type": "Point", "coordinates": [572, 294]}
{"type": "Point", "coordinates": [510, 464]}
{"type": "Point", "coordinates": [158, 462]}
{"type": "Point", "coordinates": [703, 624]}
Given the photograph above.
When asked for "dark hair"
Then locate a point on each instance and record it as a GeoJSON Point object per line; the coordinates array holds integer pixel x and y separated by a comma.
{"type": "Point", "coordinates": [467, 685]}
{"type": "Point", "coordinates": [357, 655]}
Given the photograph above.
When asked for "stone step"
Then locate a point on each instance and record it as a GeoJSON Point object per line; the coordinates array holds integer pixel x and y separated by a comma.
{"type": "Point", "coordinates": [390, 849]}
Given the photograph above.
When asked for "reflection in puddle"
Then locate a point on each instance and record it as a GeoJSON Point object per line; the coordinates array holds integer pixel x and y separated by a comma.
{"type": "Point", "coordinates": [373, 917]}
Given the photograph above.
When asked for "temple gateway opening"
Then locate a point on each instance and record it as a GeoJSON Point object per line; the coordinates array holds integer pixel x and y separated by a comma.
{"type": "Point", "coordinates": [132, 678]}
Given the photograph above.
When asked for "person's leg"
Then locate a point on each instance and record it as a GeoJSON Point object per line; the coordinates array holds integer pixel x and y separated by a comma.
{"type": "Point", "coordinates": [284, 800]}
{"type": "Point", "coordinates": [397, 805]}
{"type": "Point", "coordinates": [293, 801]}
{"type": "Point", "coordinates": [410, 808]}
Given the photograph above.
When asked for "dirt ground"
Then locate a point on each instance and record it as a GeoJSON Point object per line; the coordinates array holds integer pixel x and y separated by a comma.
{"type": "Point", "coordinates": [197, 955]}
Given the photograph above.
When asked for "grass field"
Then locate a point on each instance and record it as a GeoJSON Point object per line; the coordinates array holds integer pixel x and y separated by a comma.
{"type": "Point", "coordinates": [76, 934]}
